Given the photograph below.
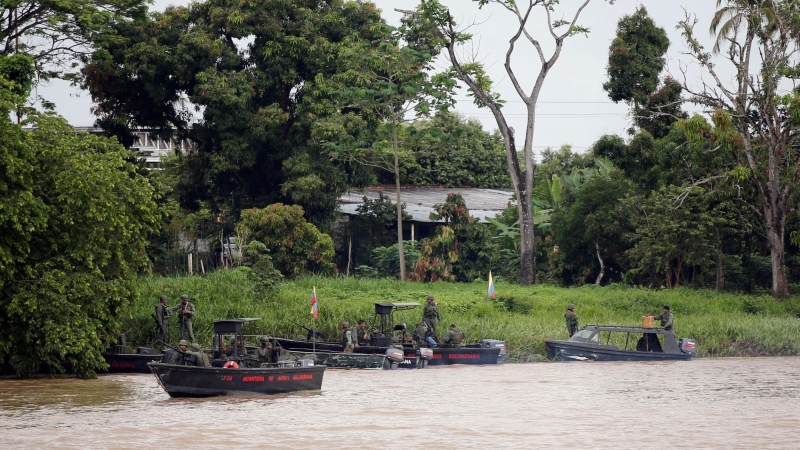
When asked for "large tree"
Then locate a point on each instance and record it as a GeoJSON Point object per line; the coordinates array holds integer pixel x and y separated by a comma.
{"type": "Point", "coordinates": [74, 221]}
{"type": "Point", "coordinates": [758, 39]}
{"type": "Point", "coordinates": [245, 81]}
{"type": "Point", "coordinates": [480, 86]}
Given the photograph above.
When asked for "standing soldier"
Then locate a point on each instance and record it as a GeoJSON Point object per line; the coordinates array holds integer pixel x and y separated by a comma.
{"type": "Point", "coordinates": [263, 353]}
{"type": "Point", "coordinates": [572, 320]}
{"type": "Point", "coordinates": [162, 318]}
{"type": "Point", "coordinates": [361, 333]}
{"type": "Point", "coordinates": [186, 309]}
{"type": "Point", "coordinates": [666, 318]}
{"type": "Point", "coordinates": [348, 340]}
{"type": "Point", "coordinates": [431, 316]}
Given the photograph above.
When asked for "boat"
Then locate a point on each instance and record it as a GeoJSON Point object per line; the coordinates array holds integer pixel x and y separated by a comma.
{"type": "Point", "coordinates": [388, 332]}
{"type": "Point", "coordinates": [131, 362]}
{"type": "Point", "coordinates": [238, 374]}
{"type": "Point", "coordinates": [641, 344]}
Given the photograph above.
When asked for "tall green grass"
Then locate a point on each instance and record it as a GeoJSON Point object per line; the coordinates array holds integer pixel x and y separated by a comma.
{"type": "Point", "coordinates": [724, 324]}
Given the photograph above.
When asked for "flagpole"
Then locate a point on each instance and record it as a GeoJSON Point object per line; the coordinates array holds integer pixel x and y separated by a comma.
{"type": "Point", "coordinates": [314, 327]}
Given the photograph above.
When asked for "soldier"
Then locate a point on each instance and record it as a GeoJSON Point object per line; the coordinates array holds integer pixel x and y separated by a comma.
{"type": "Point", "coordinates": [185, 316]}
{"type": "Point", "coordinates": [348, 340]}
{"type": "Point", "coordinates": [177, 357]}
{"type": "Point", "coordinates": [431, 316]}
{"type": "Point", "coordinates": [361, 333]}
{"type": "Point", "coordinates": [420, 334]}
{"type": "Point", "coordinates": [666, 318]}
{"type": "Point", "coordinates": [453, 338]}
{"type": "Point", "coordinates": [572, 320]}
{"type": "Point", "coordinates": [234, 345]}
{"type": "Point", "coordinates": [162, 318]}
{"type": "Point", "coordinates": [263, 353]}
{"type": "Point", "coordinates": [201, 359]}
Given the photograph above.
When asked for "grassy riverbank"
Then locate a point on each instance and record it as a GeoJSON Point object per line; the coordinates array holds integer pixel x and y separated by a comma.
{"type": "Point", "coordinates": [723, 324]}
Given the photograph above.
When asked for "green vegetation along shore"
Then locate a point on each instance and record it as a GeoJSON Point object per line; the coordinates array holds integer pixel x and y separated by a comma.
{"type": "Point", "coordinates": [724, 324]}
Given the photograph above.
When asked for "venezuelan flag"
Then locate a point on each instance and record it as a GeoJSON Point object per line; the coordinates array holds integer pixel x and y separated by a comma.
{"type": "Point", "coordinates": [314, 304]}
{"type": "Point", "coordinates": [491, 285]}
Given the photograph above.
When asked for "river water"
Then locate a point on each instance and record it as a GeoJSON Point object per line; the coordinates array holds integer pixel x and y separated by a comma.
{"type": "Point", "coordinates": [705, 403]}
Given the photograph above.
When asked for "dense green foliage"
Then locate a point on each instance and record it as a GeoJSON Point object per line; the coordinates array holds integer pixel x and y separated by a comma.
{"type": "Point", "coordinates": [259, 73]}
{"type": "Point", "coordinates": [295, 246]}
{"type": "Point", "coordinates": [722, 324]}
{"type": "Point", "coordinates": [75, 216]}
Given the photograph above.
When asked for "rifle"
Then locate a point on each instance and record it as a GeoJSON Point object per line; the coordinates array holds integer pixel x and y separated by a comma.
{"type": "Point", "coordinates": [311, 332]}
{"type": "Point", "coordinates": [186, 355]}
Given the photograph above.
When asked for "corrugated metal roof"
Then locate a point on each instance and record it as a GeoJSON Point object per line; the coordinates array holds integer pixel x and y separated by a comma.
{"type": "Point", "coordinates": [482, 203]}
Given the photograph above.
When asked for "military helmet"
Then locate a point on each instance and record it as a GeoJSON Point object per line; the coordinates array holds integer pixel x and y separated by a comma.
{"type": "Point", "coordinates": [232, 340]}
{"type": "Point", "coordinates": [163, 298]}
{"type": "Point", "coordinates": [184, 297]}
{"type": "Point", "coordinates": [196, 346]}
{"type": "Point", "coordinates": [183, 342]}
{"type": "Point", "coordinates": [452, 325]}
{"type": "Point", "coordinates": [430, 297]}
{"type": "Point", "coordinates": [264, 339]}
{"type": "Point", "coordinates": [346, 324]}
{"type": "Point", "coordinates": [570, 306]}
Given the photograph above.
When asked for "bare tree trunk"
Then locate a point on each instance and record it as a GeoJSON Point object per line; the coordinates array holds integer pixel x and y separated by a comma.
{"type": "Point", "coordinates": [527, 263]}
{"type": "Point", "coordinates": [602, 266]}
{"type": "Point", "coordinates": [399, 203]}
{"type": "Point", "coordinates": [349, 255]}
{"type": "Point", "coordinates": [780, 285]}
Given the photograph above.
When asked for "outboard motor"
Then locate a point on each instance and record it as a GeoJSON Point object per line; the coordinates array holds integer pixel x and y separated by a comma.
{"type": "Point", "coordinates": [305, 363]}
{"type": "Point", "coordinates": [688, 346]}
{"type": "Point", "coordinates": [494, 343]}
{"type": "Point", "coordinates": [394, 357]}
{"type": "Point", "coordinates": [425, 355]}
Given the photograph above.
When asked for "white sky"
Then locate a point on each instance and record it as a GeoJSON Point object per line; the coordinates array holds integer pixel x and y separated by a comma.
{"type": "Point", "coordinates": [573, 108]}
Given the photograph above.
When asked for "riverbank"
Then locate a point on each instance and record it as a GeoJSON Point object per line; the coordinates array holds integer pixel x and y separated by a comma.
{"type": "Point", "coordinates": [724, 324]}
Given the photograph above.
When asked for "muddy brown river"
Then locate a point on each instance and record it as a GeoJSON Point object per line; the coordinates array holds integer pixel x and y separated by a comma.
{"type": "Point", "coordinates": [706, 403]}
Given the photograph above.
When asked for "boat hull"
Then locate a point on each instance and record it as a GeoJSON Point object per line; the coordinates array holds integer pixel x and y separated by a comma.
{"type": "Point", "coordinates": [190, 381]}
{"type": "Point", "coordinates": [569, 351]}
{"type": "Point", "coordinates": [469, 354]}
{"type": "Point", "coordinates": [130, 362]}
{"type": "Point", "coordinates": [339, 360]}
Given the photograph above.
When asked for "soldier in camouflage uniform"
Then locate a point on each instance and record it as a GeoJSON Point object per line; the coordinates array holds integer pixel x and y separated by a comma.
{"type": "Point", "coordinates": [264, 353]}
{"type": "Point", "coordinates": [162, 319]}
{"type": "Point", "coordinates": [453, 337]}
{"type": "Point", "coordinates": [201, 359]}
{"type": "Point", "coordinates": [666, 318]}
{"type": "Point", "coordinates": [572, 320]}
{"type": "Point", "coordinates": [362, 336]}
{"type": "Point", "coordinates": [431, 316]}
{"type": "Point", "coordinates": [348, 340]}
{"type": "Point", "coordinates": [186, 309]}
{"type": "Point", "coordinates": [234, 345]}
{"type": "Point", "coordinates": [177, 357]}
{"type": "Point", "coordinates": [420, 335]}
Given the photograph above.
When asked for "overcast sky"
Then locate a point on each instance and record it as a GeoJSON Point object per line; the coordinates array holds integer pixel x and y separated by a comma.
{"type": "Point", "coordinates": [573, 108]}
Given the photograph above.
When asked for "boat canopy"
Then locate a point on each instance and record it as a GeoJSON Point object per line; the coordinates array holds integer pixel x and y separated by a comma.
{"type": "Point", "coordinates": [385, 308]}
{"type": "Point", "coordinates": [229, 326]}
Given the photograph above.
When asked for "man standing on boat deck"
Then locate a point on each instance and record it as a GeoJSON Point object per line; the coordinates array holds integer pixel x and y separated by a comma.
{"type": "Point", "coordinates": [186, 309]}
{"type": "Point", "coordinates": [162, 318]}
{"type": "Point", "coordinates": [263, 353]}
{"type": "Point", "coordinates": [361, 333]}
{"type": "Point", "coordinates": [666, 318]}
{"type": "Point", "coordinates": [572, 320]}
{"type": "Point", "coordinates": [431, 316]}
{"type": "Point", "coordinates": [348, 340]}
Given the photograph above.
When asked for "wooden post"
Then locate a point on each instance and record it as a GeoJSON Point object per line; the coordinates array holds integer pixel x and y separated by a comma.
{"type": "Point", "coordinates": [412, 231]}
{"type": "Point", "coordinates": [190, 263]}
{"type": "Point", "coordinates": [202, 268]}
{"type": "Point", "coordinates": [349, 256]}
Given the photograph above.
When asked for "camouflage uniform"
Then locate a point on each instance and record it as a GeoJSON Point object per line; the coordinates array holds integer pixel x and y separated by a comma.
{"type": "Point", "coordinates": [572, 322]}
{"type": "Point", "coordinates": [360, 335]}
{"type": "Point", "coordinates": [162, 319]}
{"type": "Point", "coordinates": [453, 338]}
{"type": "Point", "coordinates": [184, 318]}
{"type": "Point", "coordinates": [201, 359]}
{"type": "Point", "coordinates": [666, 319]}
{"type": "Point", "coordinates": [419, 334]}
{"type": "Point", "coordinates": [431, 316]}
{"type": "Point", "coordinates": [177, 356]}
{"type": "Point", "coordinates": [263, 354]}
{"type": "Point", "coordinates": [348, 340]}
